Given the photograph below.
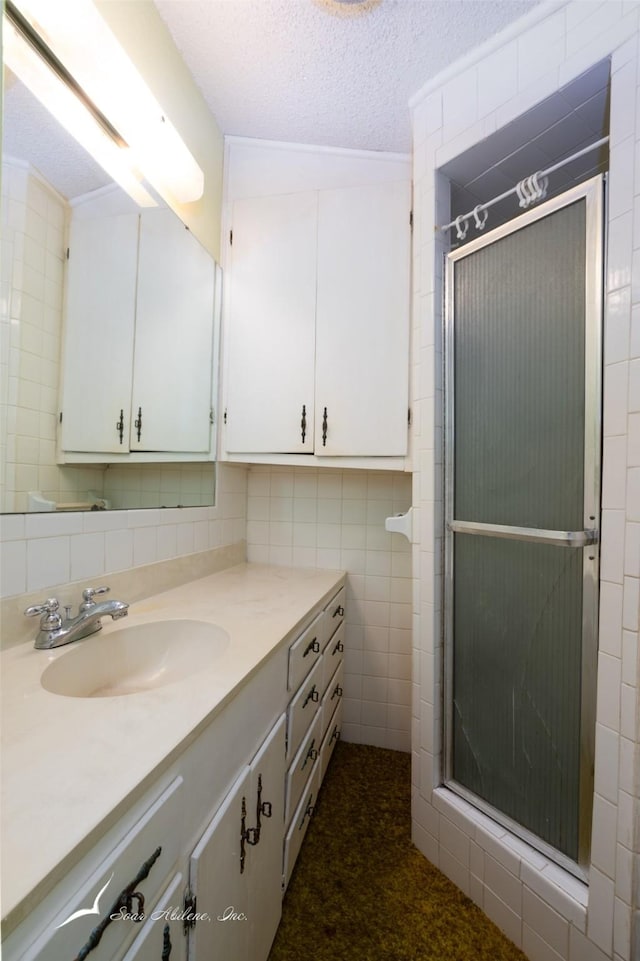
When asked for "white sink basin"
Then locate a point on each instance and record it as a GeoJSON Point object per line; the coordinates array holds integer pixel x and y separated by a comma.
{"type": "Point", "coordinates": [131, 660]}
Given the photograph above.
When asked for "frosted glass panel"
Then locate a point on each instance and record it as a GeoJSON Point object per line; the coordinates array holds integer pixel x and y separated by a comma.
{"type": "Point", "coordinates": [516, 681]}
{"type": "Point", "coordinates": [519, 376]}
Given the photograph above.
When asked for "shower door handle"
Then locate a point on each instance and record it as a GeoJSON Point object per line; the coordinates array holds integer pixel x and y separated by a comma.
{"type": "Point", "coordinates": [574, 539]}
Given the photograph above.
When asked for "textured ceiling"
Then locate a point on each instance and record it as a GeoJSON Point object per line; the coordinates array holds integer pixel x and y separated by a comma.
{"type": "Point", "coordinates": [334, 72]}
{"type": "Point", "coordinates": [325, 71]}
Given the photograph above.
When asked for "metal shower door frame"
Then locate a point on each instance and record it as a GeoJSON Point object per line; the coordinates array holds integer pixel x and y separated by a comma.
{"type": "Point", "coordinates": [592, 191]}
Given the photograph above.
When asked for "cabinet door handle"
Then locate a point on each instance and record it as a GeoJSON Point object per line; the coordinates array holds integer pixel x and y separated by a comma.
{"type": "Point", "coordinates": [138, 423]}
{"type": "Point", "coordinates": [166, 943]}
{"type": "Point", "coordinates": [120, 426]}
{"type": "Point", "coordinates": [303, 423]}
{"type": "Point", "coordinates": [339, 611]}
{"type": "Point", "coordinates": [339, 648]}
{"type": "Point", "coordinates": [324, 428]}
{"type": "Point", "coordinates": [337, 692]}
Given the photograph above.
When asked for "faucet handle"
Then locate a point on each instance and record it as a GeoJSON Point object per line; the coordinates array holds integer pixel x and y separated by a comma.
{"type": "Point", "coordinates": [88, 595]}
{"type": "Point", "coordinates": [51, 620]}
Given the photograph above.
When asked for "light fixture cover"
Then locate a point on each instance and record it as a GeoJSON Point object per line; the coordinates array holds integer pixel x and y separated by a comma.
{"type": "Point", "coordinates": [81, 39]}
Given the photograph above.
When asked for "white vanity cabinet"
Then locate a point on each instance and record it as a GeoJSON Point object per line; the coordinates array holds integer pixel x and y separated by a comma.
{"type": "Point", "coordinates": [138, 341]}
{"type": "Point", "coordinates": [191, 865]}
{"type": "Point", "coordinates": [317, 318]}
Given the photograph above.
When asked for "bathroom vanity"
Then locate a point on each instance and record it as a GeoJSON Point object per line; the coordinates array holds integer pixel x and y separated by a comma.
{"type": "Point", "coordinates": [164, 822]}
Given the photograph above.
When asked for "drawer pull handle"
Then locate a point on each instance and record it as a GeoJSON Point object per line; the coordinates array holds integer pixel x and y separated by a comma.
{"type": "Point", "coordinates": [339, 648]}
{"type": "Point", "coordinates": [335, 735]}
{"type": "Point", "coordinates": [313, 695]}
{"type": "Point", "coordinates": [339, 611]}
{"type": "Point", "coordinates": [124, 900]}
{"type": "Point", "coordinates": [310, 808]}
{"type": "Point", "coordinates": [312, 754]}
{"type": "Point", "coordinates": [337, 692]}
{"type": "Point", "coordinates": [266, 809]}
{"type": "Point", "coordinates": [314, 646]}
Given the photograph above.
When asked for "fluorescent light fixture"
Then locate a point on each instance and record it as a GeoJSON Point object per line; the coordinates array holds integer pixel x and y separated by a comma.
{"type": "Point", "coordinates": [80, 39]}
{"type": "Point", "coordinates": [70, 113]}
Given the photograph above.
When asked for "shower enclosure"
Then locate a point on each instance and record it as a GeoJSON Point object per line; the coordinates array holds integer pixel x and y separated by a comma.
{"type": "Point", "coordinates": [522, 506]}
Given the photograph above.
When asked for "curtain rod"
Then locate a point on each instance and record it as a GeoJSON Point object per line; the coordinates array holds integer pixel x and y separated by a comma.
{"type": "Point", "coordinates": [529, 190]}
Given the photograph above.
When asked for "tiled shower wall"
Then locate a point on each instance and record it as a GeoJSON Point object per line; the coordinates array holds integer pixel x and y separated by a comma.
{"type": "Point", "coordinates": [546, 911]}
{"type": "Point", "coordinates": [308, 517]}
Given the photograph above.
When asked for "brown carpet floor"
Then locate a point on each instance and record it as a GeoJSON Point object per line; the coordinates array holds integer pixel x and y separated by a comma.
{"type": "Point", "coordinates": [361, 891]}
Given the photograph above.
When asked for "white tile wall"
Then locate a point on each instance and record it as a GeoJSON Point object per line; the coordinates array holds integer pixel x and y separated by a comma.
{"type": "Point", "coordinates": [40, 551]}
{"type": "Point", "coordinates": [541, 907]}
{"type": "Point", "coordinates": [335, 519]}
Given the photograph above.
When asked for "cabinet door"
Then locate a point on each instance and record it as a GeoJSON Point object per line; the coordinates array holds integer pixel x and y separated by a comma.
{"type": "Point", "coordinates": [218, 876]}
{"type": "Point", "coordinates": [98, 337]}
{"type": "Point", "coordinates": [173, 363]}
{"type": "Point", "coordinates": [362, 340]}
{"type": "Point", "coordinates": [271, 325]}
{"type": "Point", "coordinates": [265, 859]}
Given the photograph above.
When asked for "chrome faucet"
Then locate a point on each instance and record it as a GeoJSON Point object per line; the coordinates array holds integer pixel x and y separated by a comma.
{"type": "Point", "coordinates": [55, 630]}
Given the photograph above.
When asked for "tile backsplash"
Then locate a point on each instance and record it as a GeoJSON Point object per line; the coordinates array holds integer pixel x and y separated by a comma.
{"type": "Point", "coordinates": [312, 517]}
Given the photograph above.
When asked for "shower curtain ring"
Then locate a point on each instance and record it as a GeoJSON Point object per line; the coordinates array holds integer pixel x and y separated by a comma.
{"type": "Point", "coordinates": [461, 227]}
{"type": "Point", "coordinates": [480, 221]}
{"type": "Point", "coordinates": [522, 195]}
{"type": "Point", "coordinates": [540, 185]}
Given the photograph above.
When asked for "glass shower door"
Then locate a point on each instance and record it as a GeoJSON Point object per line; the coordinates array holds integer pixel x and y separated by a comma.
{"type": "Point", "coordinates": [522, 507]}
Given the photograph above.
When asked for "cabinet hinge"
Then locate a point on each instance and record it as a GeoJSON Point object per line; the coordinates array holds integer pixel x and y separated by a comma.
{"type": "Point", "coordinates": [231, 237]}
{"type": "Point", "coordinates": [189, 905]}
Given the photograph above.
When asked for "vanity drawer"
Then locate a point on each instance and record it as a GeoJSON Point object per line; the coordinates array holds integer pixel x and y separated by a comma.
{"type": "Point", "coordinates": [331, 738]}
{"type": "Point", "coordinates": [303, 709]}
{"type": "Point", "coordinates": [298, 827]}
{"type": "Point", "coordinates": [332, 697]}
{"type": "Point", "coordinates": [304, 652]}
{"type": "Point", "coordinates": [141, 864]}
{"type": "Point", "coordinates": [301, 767]}
{"type": "Point", "coordinates": [332, 656]}
{"type": "Point", "coordinates": [334, 612]}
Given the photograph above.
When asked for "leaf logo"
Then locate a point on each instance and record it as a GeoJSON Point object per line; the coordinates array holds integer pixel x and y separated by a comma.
{"type": "Point", "coordinates": [94, 910]}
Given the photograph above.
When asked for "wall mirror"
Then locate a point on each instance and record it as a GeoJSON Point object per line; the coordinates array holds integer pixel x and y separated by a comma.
{"type": "Point", "coordinates": [44, 174]}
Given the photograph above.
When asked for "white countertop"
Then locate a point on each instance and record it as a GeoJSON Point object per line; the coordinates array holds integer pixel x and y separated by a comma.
{"type": "Point", "coordinates": [67, 762]}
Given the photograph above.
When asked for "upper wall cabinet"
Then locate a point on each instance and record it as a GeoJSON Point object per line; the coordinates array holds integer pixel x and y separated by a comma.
{"type": "Point", "coordinates": [317, 318]}
{"type": "Point", "coordinates": [138, 358]}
